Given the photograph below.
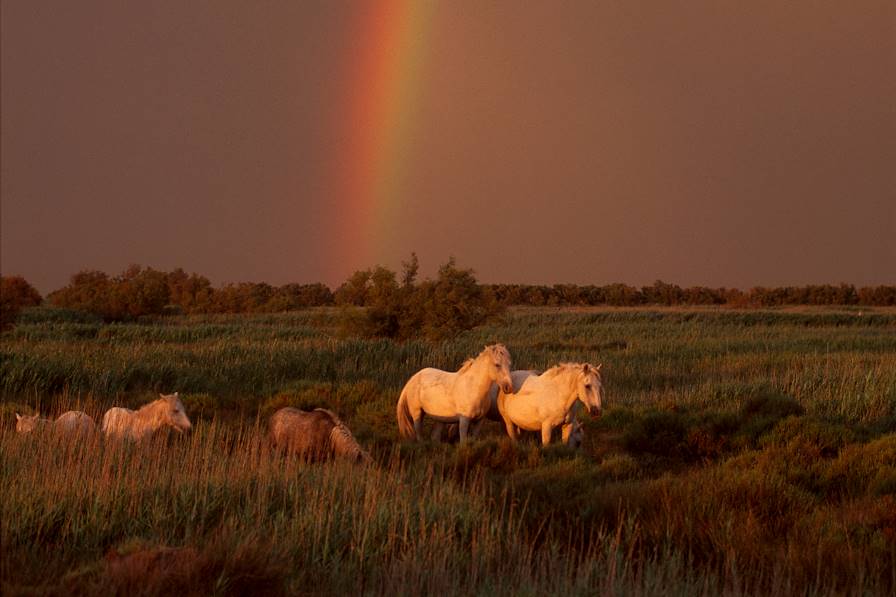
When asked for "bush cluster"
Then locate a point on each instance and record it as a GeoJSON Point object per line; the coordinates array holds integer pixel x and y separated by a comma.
{"type": "Point", "coordinates": [662, 293]}
{"type": "Point", "coordinates": [437, 309]}
{"type": "Point", "coordinates": [395, 308]}
{"type": "Point", "coordinates": [139, 292]}
{"type": "Point", "coordinates": [15, 294]}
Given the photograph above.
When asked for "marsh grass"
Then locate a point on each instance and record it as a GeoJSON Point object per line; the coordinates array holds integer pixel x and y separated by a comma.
{"type": "Point", "coordinates": [739, 453]}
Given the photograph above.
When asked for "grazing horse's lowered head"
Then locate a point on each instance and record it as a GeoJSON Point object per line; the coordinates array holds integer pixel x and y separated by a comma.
{"type": "Point", "coordinates": [30, 423]}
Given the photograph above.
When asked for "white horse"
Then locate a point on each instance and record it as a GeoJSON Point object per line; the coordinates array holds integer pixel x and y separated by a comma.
{"type": "Point", "coordinates": [516, 377]}
{"type": "Point", "coordinates": [453, 397]}
{"type": "Point", "coordinates": [546, 401]}
{"type": "Point", "coordinates": [73, 422]}
{"type": "Point", "coordinates": [167, 411]}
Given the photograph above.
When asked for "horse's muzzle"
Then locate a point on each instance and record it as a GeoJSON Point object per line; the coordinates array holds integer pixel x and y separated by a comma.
{"type": "Point", "coordinates": [507, 388]}
{"type": "Point", "coordinates": [594, 412]}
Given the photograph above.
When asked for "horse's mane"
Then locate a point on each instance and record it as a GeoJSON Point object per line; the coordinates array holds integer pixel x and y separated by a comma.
{"type": "Point", "coordinates": [560, 369]}
{"type": "Point", "coordinates": [150, 405]}
{"type": "Point", "coordinates": [155, 403]}
{"type": "Point", "coordinates": [341, 438]}
{"type": "Point", "coordinates": [497, 349]}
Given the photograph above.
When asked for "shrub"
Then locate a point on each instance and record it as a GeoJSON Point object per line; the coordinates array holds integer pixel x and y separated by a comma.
{"type": "Point", "coordinates": [15, 294]}
{"type": "Point", "coordinates": [438, 309]}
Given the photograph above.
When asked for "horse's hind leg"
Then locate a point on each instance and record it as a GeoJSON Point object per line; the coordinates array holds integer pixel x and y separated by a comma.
{"type": "Point", "coordinates": [463, 424]}
{"type": "Point", "coordinates": [477, 427]}
{"type": "Point", "coordinates": [418, 426]}
{"type": "Point", "coordinates": [437, 431]}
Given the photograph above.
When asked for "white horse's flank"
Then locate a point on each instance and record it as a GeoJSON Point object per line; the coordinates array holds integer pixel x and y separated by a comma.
{"type": "Point", "coordinates": [450, 397]}
{"type": "Point", "coordinates": [73, 422]}
{"type": "Point", "coordinates": [546, 401]}
{"type": "Point", "coordinates": [167, 411]}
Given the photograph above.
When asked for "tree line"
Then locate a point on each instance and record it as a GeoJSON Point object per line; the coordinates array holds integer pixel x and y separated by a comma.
{"type": "Point", "coordinates": [396, 304]}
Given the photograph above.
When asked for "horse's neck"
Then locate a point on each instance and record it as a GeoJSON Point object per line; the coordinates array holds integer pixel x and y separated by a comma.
{"type": "Point", "coordinates": [150, 415]}
{"type": "Point", "coordinates": [565, 388]}
{"type": "Point", "coordinates": [476, 379]}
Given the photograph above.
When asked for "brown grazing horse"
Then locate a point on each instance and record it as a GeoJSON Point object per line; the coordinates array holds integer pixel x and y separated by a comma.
{"type": "Point", "coordinates": [315, 435]}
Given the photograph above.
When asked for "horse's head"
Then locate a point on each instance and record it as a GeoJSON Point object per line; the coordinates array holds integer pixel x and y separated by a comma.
{"type": "Point", "coordinates": [576, 434]}
{"type": "Point", "coordinates": [174, 414]}
{"type": "Point", "coordinates": [28, 424]}
{"type": "Point", "coordinates": [590, 389]}
{"type": "Point", "coordinates": [498, 359]}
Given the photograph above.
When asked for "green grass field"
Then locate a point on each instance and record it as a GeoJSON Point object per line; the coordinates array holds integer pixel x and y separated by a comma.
{"type": "Point", "coordinates": [740, 452]}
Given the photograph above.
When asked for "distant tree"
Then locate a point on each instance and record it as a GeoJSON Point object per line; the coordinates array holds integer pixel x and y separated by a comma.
{"type": "Point", "coordinates": [354, 290]}
{"type": "Point", "coordinates": [454, 302]}
{"type": "Point", "coordinates": [190, 293]}
{"type": "Point", "coordinates": [15, 294]}
{"type": "Point", "coordinates": [880, 296]}
{"type": "Point", "coordinates": [88, 290]}
{"type": "Point", "coordinates": [622, 295]}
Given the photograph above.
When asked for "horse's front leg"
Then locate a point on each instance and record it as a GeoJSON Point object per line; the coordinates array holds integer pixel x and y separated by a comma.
{"type": "Point", "coordinates": [511, 428]}
{"type": "Point", "coordinates": [437, 431]}
{"type": "Point", "coordinates": [565, 431]}
{"type": "Point", "coordinates": [546, 430]}
{"type": "Point", "coordinates": [463, 424]}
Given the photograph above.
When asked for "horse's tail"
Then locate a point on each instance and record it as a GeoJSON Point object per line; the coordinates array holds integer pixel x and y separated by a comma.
{"type": "Point", "coordinates": [403, 414]}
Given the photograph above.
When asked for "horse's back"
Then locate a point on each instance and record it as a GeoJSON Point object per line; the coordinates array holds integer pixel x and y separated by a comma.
{"type": "Point", "coordinates": [299, 431]}
{"type": "Point", "coordinates": [75, 421]}
{"type": "Point", "coordinates": [429, 378]}
{"type": "Point", "coordinates": [117, 421]}
{"type": "Point", "coordinates": [518, 378]}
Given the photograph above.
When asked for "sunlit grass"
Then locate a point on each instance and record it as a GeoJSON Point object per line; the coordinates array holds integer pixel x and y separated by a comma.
{"type": "Point", "coordinates": [740, 452]}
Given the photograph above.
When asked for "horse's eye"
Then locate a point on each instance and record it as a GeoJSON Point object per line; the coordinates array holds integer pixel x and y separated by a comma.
{"type": "Point", "coordinates": [587, 386]}
{"type": "Point", "coordinates": [174, 412]}
{"type": "Point", "coordinates": [498, 365]}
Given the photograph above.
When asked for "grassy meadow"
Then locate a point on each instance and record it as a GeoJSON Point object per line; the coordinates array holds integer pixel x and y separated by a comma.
{"type": "Point", "coordinates": [740, 452]}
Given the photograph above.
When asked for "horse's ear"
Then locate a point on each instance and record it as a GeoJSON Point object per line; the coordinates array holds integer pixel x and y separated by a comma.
{"type": "Point", "coordinates": [176, 395]}
{"type": "Point", "coordinates": [586, 368]}
{"type": "Point", "coordinates": [599, 365]}
{"type": "Point", "coordinates": [18, 417]}
{"type": "Point", "coordinates": [161, 395]}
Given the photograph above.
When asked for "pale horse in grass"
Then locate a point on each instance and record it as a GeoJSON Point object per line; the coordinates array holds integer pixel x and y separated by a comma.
{"type": "Point", "coordinates": [544, 402]}
{"type": "Point", "coordinates": [453, 397]}
{"type": "Point", "coordinates": [166, 412]}
{"type": "Point", "coordinates": [73, 422]}
{"type": "Point", "coordinates": [441, 431]}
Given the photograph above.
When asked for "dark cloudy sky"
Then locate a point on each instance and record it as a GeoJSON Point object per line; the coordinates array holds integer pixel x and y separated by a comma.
{"type": "Point", "coordinates": [698, 142]}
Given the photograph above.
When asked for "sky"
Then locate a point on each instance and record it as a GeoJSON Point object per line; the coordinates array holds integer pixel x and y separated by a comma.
{"type": "Point", "coordinates": [700, 142]}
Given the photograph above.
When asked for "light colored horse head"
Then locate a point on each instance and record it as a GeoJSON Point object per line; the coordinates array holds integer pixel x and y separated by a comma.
{"type": "Point", "coordinates": [29, 424]}
{"type": "Point", "coordinates": [499, 370]}
{"type": "Point", "coordinates": [172, 413]}
{"type": "Point", "coordinates": [590, 389]}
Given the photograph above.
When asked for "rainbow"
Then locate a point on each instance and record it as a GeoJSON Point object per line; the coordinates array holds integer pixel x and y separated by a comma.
{"type": "Point", "coordinates": [384, 65]}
